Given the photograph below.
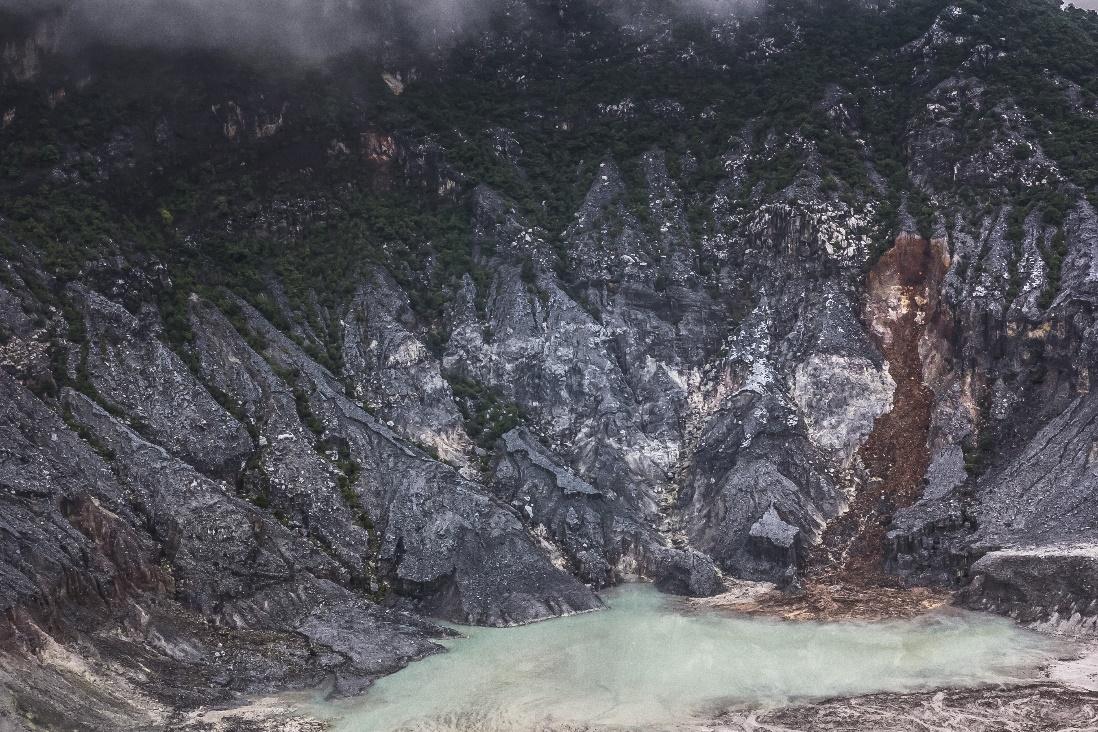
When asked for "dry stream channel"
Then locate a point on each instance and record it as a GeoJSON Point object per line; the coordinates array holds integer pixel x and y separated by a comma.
{"type": "Point", "coordinates": [649, 662]}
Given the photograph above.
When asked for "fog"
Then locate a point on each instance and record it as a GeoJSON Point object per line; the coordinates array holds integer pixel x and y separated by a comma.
{"type": "Point", "coordinates": [309, 30]}
{"type": "Point", "coordinates": [306, 29]}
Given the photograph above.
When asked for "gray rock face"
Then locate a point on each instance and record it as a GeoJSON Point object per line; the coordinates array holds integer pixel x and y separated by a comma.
{"type": "Point", "coordinates": [135, 553]}
{"type": "Point", "coordinates": [393, 372]}
{"type": "Point", "coordinates": [772, 538]}
{"type": "Point", "coordinates": [772, 529]}
{"type": "Point", "coordinates": [840, 398]}
{"type": "Point", "coordinates": [597, 534]}
{"type": "Point", "coordinates": [131, 369]}
{"type": "Point", "coordinates": [660, 437]}
{"type": "Point", "coordinates": [381, 505]}
{"type": "Point", "coordinates": [1013, 428]}
{"type": "Point", "coordinates": [788, 404]}
{"type": "Point", "coordinates": [264, 497]}
{"type": "Point", "coordinates": [219, 546]}
{"type": "Point", "coordinates": [1050, 586]}
{"type": "Point", "coordinates": [1042, 495]}
{"type": "Point", "coordinates": [64, 515]}
{"type": "Point", "coordinates": [291, 471]}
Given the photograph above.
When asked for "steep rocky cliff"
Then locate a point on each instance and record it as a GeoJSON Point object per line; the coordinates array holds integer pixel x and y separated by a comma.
{"type": "Point", "coordinates": [296, 361]}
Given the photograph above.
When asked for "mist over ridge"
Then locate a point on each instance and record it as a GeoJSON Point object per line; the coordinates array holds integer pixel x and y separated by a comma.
{"type": "Point", "coordinates": [311, 30]}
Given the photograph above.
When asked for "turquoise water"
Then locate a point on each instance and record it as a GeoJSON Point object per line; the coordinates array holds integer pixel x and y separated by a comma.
{"type": "Point", "coordinates": [644, 663]}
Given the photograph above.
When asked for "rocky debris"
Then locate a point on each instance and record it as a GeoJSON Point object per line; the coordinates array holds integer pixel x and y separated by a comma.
{"type": "Point", "coordinates": [1012, 423]}
{"type": "Point", "coordinates": [1035, 706]}
{"type": "Point", "coordinates": [1035, 495]}
{"type": "Point", "coordinates": [901, 302]}
{"type": "Point", "coordinates": [815, 602]}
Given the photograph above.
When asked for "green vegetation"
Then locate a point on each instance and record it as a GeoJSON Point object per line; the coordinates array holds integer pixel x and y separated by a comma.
{"type": "Point", "coordinates": [978, 453]}
{"type": "Point", "coordinates": [305, 412]}
{"type": "Point", "coordinates": [349, 471]}
{"type": "Point", "coordinates": [1054, 259]}
{"type": "Point", "coordinates": [1051, 204]}
{"type": "Point", "coordinates": [233, 407]}
{"type": "Point", "coordinates": [1016, 236]}
{"type": "Point", "coordinates": [253, 481]}
{"type": "Point", "coordinates": [234, 214]}
{"type": "Point", "coordinates": [487, 415]}
{"type": "Point", "coordinates": [87, 435]}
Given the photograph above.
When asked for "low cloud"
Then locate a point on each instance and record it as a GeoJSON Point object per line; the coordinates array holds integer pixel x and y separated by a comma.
{"type": "Point", "coordinates": [306, 29]}
{"type": "Point", "coordinates": [309, 30]}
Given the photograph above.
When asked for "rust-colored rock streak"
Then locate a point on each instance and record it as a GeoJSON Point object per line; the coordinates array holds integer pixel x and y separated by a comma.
{"type": "Point", "coordinates": [901, 304]}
